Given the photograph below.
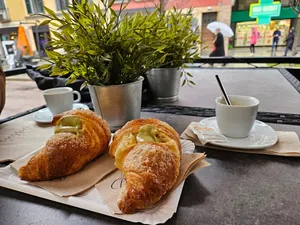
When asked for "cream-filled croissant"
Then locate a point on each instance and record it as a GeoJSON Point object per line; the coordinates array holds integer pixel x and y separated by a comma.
{"type": "Point", "coordinates": [148, 152]}
{"type": "Point", "coordinates": [80, 136]}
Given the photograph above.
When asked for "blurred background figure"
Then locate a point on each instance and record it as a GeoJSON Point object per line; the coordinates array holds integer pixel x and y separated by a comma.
{"type": "Point", "coordinates": [289, 41]}
{"type": "Point", "coordinates": [276, 36]}
{"type": "Point", "coordinates": [218, 45]}
{"type": "Point", "coordinates": [2, 89]}
{"type": "Point", "coordinates": [253, 41]}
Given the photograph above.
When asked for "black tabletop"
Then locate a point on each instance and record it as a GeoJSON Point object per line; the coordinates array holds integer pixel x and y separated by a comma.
{"type": "Point", "coordinates": [237, 188]}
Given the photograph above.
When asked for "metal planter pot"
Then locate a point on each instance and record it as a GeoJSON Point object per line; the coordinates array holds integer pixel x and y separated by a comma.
{"type": "Point", "coordinates": [164, 84]}
{"type": "Point", "coordinates": [118, 104]}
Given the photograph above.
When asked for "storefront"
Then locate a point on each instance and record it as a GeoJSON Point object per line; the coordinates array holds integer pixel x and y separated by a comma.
{"type": "Point", "coordinates": [9, 33]}
{"type": "Point", "coordinates": [243, 32]}
{"type": "Point", "coordinates": [242, 24]}
{"type": "Point", "coordinates": [41, 36]}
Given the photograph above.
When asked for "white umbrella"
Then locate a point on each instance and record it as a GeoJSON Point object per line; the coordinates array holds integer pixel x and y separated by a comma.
{"type": "Point", "coordinates": [224, 28]}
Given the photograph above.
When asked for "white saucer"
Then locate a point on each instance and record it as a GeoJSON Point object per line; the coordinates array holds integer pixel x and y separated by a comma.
{"type": "Point", "coordinates": [261, 136]}
{"type": "Point", "coordinates": [45, 116]}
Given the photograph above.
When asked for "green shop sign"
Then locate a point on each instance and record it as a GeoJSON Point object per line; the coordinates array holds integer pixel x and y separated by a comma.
{"type": "Point", "coordinates": [264, 10]}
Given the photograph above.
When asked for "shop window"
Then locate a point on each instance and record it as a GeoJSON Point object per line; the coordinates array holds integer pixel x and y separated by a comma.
{"type": "Point", "coordinates": [9, 36]}
{"type": "Point", "coordinates": [34, 6]}
{"type": "Point", "coordinates": [243, 32]}
{"type": "Point", "coordinates": [41, 37]}
{"type": "Point", "coordinates": [62, 4]}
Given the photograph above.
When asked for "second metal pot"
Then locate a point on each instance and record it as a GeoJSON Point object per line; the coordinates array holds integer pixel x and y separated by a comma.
{"type": "Point", "coordinates": [164, 84]}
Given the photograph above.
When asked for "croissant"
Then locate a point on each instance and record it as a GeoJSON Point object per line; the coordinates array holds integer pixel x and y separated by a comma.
{"type": "Point", "coordinates": [148, 152]}
{"type": "Point", "coordinates": [80, 136]}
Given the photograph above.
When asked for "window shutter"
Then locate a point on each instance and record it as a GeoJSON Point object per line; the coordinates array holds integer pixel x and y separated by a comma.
{"type": "Point", "coordinates": [65, 4]}
{"type": "Point", "coordinates": [40, 6]}
{"type": "Point", "coordinates": [2, 5]}
{"type": "Point", "coordinates": [28, 6]}
{"type": "Point", "coordinates": [62, 4]}
{"type": "Point", "coordinates": [58, 5]}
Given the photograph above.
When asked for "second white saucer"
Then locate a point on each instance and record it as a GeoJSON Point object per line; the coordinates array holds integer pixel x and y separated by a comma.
{"type": "Point", "coordinates": [45, 116]}
{"type": "Point", "coordinates": [261, 136]}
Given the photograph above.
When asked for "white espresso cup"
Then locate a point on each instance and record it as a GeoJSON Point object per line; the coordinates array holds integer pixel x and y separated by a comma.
{"type": "Point", "coordinates": [236, 120]}
{"type": "Point", "coordinates": [60, 99]}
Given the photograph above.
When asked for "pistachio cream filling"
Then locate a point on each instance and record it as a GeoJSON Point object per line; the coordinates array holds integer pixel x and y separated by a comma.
{"type": "Point", "coordinates": [147, 133]}
{"type": "Point", "coordinates": [69, 124]}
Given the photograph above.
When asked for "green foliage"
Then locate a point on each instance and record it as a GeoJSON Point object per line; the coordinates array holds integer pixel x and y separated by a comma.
{"type": "Point", "coordinates": [108, 47]}
{"type": "Point", "coordinates": [96, 44]}
{"type": "Point", "coordinates": [177, 43]}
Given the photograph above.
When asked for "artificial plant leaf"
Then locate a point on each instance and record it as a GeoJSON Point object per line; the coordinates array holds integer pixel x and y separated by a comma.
{"type": "Point", "coordinates": [71, 79]}
{"type": "Point", "coordinates": [44, 66]}
{"type": "Point", "coordinates": [190, 75]}
{"type": "Point", "coordinates": [83, 85]}
{"type": "Point", "coordinates": [45, 22]}
{"type": "Point", "coordinates": [58, 35]}
{"type": "Point", "coordinates": [111, 2]}
{"type": "Point", "coordinates": [92, 52]}
{"type": "Point", "coordinates": [66, 16]}
{"type": "Point", "coordinates": [192, 82]}
{"type": "Point", "coordinates": [54, 24]}
{"type": "Point", "coordinates": [50, 12]}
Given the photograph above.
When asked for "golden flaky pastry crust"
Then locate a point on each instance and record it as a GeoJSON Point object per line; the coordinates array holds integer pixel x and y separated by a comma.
{"type": "Point", "coordinates": [150, 168]}
{"type": "Point", "coordinates": [66, 153]}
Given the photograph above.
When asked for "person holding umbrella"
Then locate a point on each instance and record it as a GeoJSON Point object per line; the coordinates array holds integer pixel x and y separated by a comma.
{"type": "Point", "coordinates": [218, 45]}
{"type": "Point", "coordinates": [221, 30]}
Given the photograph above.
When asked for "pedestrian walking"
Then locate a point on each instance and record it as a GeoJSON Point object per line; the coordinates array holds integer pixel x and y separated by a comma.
{"type": "Point", "coordinates": [276, 36]}
{"type": "Point", "coordinates": [218, 45]}
{"type": "Point", "coordinates": [253, 41]}
{"type": "Point", "coordinates": [289, 41]}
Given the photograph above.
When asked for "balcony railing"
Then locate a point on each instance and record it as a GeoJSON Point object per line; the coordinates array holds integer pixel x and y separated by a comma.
{"type": "Point", "coordinates": [4, 15]}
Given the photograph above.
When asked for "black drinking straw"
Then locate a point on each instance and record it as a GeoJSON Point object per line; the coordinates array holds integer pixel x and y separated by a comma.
{"type": "Point", "coordinates": [227, 100]}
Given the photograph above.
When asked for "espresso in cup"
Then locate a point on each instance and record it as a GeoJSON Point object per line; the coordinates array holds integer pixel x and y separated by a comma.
{"type": "Point", "coordinates": [61, 99]}
{"type": "Point", "coordinates": [236, 120]}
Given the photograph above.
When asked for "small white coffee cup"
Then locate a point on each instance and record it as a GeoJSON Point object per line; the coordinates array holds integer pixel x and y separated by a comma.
{"type": "Point", "coordinates": [60, 99]}
{"type": "Point", "coordinates": [236, 120]}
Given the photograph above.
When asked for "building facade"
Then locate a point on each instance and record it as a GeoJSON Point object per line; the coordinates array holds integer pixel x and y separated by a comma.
{"type": "Point", "coordinates": [242, 24]}
{"type": "Point", "coordinates": [15, 13]}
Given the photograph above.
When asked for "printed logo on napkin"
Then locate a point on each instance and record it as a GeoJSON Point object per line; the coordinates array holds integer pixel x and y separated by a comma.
{"type": "Point", "coordinates": [207, 134]}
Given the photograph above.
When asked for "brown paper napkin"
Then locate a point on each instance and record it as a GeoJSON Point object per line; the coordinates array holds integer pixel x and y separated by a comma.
{"type": "Point", "coordinates": [109, 188]}
{"type": "Point", "coordinates": [20, 137]}
{"type": "Point", "coordinates": [287, 145]}
{"type": "Point", "coordinates": [75, 183]}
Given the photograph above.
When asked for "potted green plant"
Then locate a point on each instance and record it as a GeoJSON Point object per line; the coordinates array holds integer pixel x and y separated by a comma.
{"type": "Point", "coordinates": [109, 50]}
{"type": "Point", "coordinates": [178, 44]}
